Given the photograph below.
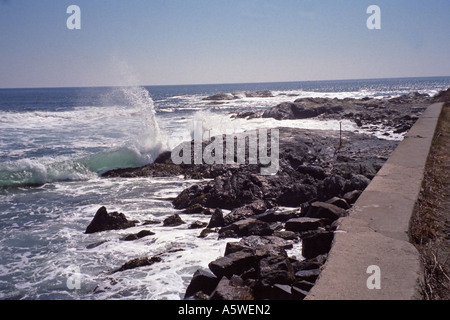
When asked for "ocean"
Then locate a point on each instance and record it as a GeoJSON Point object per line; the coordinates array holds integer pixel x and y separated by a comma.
{"type": "Point", "coordinates": [56, 142]}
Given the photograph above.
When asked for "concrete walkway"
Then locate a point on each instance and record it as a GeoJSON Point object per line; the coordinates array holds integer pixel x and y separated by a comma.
{"type": "Point", "coordinates": [371, 257]}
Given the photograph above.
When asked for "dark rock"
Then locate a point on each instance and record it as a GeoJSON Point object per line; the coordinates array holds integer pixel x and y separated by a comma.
{"type": "Point", "coordinates": [356, 182]}
{"type": "Point", "coordinates": [244, 228]}
{"type": "Point", "coordinates": [325, 210]}
{"type": "Point", "coordinates": [302, 224]}
{"type": "Point", "coordinates": [281, 292]}
{"type": "Point", "coordinates": [95, 244]}
{"type": "Point", "coordinates": [339, 202]}
{"type": "Point", "coordinates": [261, 241]}
{"type": "Point", "coordinates": [139, 235]}
{"type": "Point", "coordinates": [333, 185]}
{"type": "Point", "coordinates": [221, 96]}
{"type": "Point", "coordinates": [197, 225]}
{"type": "Point", "coordinates": [237, 214]}
{"type": "Point", "coordinates": [303, 285]}
{"type": "Point", "coordinates": [276, 214]}
{"type": "Point", "coordinates": [293, 110]}
{"type": "Point", "coordinates": [352, 196]}
{"type": "Point", "coordinates": [139, 262]}
{"type": "Point", "coordinates": [299, 293]}
{"type": "Point", "coordinates": [314, 171]}
{"type": "Point", "coordinates": [275, 269]}
{"type": "Point", "coordinates": [164, 157]}
{"type": "Point", "coordinates": [195, 208]}
{"type": "Point", "coordinates": [307, 264]}
{"type": "Point", "coordinates": [173, 220]}
{"type": "Point", "coordinates": [205, 232]}
{"type": "Point", "coordinates": [232, 289]}
{"type": "Point", "coordinates": [203, 281]}
{"type": "Point", "coordinates": [147, 222]}
{"type": "Point", "coordinates": [104, 220]}
{"type": "Point", "coordinates": [316, 244]}
{"type": "Point", "coordinates": [286, 235]}
{"type": "Point", "coordinates": [233, 263]}
{"type": "Point", "coordinates": [308, 275]}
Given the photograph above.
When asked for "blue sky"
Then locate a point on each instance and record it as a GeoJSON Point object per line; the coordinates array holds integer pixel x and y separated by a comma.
{"type": "Point", "coordinates": [158, 42]}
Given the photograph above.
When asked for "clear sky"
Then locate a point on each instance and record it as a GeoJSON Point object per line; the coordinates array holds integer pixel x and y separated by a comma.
{"type": "Point", "coordinates": [159, 42]}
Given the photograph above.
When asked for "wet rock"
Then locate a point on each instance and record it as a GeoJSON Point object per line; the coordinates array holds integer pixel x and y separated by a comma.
{"type": "Point", "coordinates": [139, 262]}
{"type": "Point", "coordinates": [139, 235]}
{"type": "Point", "coordinates": [197, 225]}
{"type": "Point", "coordinates": [96, 244]}
{"type": "Point", "coordinates": [173, 220]}
{"type": "Point", "coordinates": [104, 220]}
{"type": "Point", "coordinates": [204, 233]}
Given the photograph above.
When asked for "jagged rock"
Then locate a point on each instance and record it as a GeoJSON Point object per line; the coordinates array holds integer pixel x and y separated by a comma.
{"type": "Point", "coordinates": [217, 219]}
{"type": "Point", "coordinates": [104, 220]}
{"type": "Point", "coordinates": [203, 281]}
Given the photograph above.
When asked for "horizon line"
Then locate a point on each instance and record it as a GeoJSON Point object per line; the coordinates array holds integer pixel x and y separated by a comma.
{"type": "Point", "coordinates": [218, 83]}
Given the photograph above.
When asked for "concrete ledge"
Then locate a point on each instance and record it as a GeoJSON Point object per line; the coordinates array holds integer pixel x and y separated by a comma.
{"type": "Point", "coordinates": [376, 231]}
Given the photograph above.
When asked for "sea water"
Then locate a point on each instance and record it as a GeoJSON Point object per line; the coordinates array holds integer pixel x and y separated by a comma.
{"type": "Point", "coordinates": [56, 142]}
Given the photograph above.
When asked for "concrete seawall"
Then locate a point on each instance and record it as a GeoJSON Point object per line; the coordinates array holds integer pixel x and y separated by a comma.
{"type": "Point", "coordinates": [371, 246]}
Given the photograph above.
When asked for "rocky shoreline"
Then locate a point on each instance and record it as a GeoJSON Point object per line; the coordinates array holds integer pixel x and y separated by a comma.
{"type": "Point", "coordinates": [321, 174]}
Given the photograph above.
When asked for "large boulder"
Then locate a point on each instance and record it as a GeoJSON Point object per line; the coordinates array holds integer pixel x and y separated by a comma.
{"type": "Point", "coordinates": [104, 220]}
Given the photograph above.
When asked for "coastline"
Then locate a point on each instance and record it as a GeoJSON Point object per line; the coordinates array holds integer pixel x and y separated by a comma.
{"type": "Point", "coordinates": [319, 179]}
